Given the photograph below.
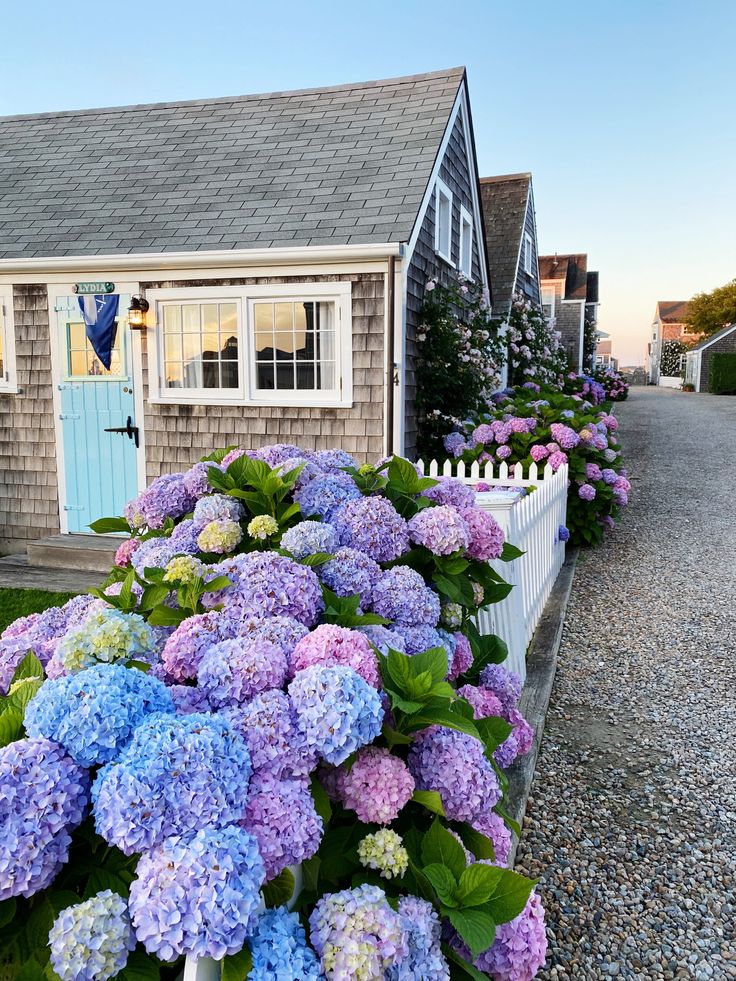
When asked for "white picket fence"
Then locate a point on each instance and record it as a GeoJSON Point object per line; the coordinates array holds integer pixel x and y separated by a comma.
{"type": "Point", "coordinates": [531, 522]}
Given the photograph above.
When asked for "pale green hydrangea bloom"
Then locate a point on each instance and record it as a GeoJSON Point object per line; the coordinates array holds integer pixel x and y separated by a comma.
{"type": "Point", "coordinates": [184, 569]}
{"type": "Point", "coordinates": [263, 526]}
{"type": "Point", "coordinates": [91, 941]}
{"type": "Point", "coordinates": [106, 636]}
{"type": "Point", "coordinates": [384, 851]}
{"type": "Point", "coordinates": [220, 536]}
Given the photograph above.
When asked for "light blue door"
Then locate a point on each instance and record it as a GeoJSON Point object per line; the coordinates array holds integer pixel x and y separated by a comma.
{"type": "Point", "coordinates": [100, 467]}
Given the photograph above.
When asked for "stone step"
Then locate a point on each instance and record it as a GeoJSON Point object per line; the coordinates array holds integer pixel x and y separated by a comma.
{"type": "Point", "coordinates": [17, 573]}
{"type": "Point", "coordinates": [93, 553]}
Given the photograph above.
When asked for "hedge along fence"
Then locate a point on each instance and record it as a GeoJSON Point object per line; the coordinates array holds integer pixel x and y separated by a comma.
{"type": "Point", "coordinates": [722, 375]}
{"type": "Point", "coordinates": [530, 522]}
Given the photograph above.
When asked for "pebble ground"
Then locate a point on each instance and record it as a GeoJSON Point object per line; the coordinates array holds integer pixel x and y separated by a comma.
{"type": "Point", "coordinates": [631, 823]}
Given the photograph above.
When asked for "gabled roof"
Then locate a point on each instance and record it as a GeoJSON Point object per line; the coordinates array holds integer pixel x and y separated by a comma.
{"type": "Point", "coordinates": [570, 268]}
{"type": "Point", "coordinates": [671, 311]}
{"type": "Point", "coordinates": [342, 165]}
{"type": "Point", "coordinates": [504, 200]}
{"type": "Point", "coordinates": [707, 341]}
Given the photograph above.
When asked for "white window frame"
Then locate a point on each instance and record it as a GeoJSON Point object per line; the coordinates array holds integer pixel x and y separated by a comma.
{"type": "Point", "coordinates": [549, 290]}
{"type": "Point", "coordinates": [443, 191]}
{"type": "Point", "coordinates": [246, 394]}
{"type": "Point", "coordinates": [9, 377]}
{"type": "Point", "coordinates": [528, 254]}
{"type": "Point", "coordinates": [465, 262]}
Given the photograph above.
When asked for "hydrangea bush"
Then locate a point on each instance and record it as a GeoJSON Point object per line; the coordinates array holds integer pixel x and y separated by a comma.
{"type": "Point", "coordinates": [281, 671]}
{"type": "Point", "coordinates": [533, 424]}
{"type": "Point", "coordinates": [535, 351]}
{"type": "Point", "coordinates": [614, 384]}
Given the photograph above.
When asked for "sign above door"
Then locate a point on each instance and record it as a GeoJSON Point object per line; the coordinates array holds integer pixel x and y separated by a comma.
{"type": "Point", "coordinates": [94, 288]}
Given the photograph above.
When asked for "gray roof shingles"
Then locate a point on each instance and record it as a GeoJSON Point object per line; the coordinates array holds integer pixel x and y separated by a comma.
{"type": "Point", "coordinates": [342, 165]}
{"type": "Point", "coordinates": [504, 201]}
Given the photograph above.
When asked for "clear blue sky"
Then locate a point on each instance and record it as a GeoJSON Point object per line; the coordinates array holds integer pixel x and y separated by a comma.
{"type": "Point", "coordinates": [624, 111]}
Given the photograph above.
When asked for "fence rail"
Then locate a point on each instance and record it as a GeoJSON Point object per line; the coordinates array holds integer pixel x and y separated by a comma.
{"type": "Point", "coordinates": [531, 522]}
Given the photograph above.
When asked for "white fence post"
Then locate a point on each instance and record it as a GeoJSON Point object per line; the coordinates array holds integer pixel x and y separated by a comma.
{"type": "Point", "coordinates": [531, 523]}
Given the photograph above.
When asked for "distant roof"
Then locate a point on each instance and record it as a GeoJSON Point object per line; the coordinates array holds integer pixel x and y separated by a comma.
{"type": "Point", "coordinates": [341, 165]}
{"type": "Point", "coordinates": [672, 311]}
{"type": "Point", "coordinates": [504, 200]}
{"type": "Point", "coordinates": [571, 268]}
{"type": "Point", "coordinates": [712, 338]}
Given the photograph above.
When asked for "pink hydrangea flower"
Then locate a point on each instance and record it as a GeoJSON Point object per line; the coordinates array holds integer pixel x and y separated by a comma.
{"type": "Point", "coordinates": [125, 551]}
{"type": "Point", "coordinates": [486, 535]}
{"type": "Point", "coordinates": [329, 644]}
{"type": "Point", "coordinates": [377, 786]}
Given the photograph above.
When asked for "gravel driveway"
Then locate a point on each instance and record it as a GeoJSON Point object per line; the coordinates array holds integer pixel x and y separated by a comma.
{"type": "Point", "coordinates": [631, 823]}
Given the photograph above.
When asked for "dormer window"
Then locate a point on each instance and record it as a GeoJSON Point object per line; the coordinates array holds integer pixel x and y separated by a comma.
{"type": "Point", "coordinates": [443, 221]}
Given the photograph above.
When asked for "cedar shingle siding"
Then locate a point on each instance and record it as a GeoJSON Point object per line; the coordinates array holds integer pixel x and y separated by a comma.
{"type": "Point", "coordinates": [724, 345]}
{"type": "Point", "coordinates": [456, 172]}
{"type": "Point", "coordinates": [28, 489]}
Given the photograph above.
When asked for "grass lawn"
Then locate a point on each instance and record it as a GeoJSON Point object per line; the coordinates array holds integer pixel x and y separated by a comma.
{"type": "Point", "coordinates": [16, 603]}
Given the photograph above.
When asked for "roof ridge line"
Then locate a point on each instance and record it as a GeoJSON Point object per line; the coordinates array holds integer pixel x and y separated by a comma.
{"type": "Point", "coordinates": [138, 107]}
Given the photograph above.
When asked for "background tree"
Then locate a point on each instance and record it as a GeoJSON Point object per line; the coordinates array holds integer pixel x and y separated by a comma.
{"type": "Point", "coordinates": [709, 312]}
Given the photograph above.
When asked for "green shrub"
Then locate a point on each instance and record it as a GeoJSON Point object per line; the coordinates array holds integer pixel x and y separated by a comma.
{"type": "Point", "coordinates": [722, 380]}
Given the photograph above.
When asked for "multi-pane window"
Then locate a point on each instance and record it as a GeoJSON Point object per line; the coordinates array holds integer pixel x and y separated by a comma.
{"type": "Point", "coordinates": [443, 221]}
{"type": "Point", "coordinates": [548, 303]}
{"type": "Point", "coordinates": [200, 342]}
{"type": "Point", "coordinates": [295, 345]}
{"type": "Point", "coordinates": [274, 345]}
{"type": "Point", "coordinates": [466, 243]}
{"type": "Point", "coordinates": [82, 362]}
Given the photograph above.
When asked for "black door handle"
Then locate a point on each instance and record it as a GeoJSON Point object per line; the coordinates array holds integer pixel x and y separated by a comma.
{"type": "Point", "coordinates": [128, 429]}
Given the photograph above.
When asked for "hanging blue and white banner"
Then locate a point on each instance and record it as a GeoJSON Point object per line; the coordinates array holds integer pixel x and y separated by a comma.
{"type": "Point", "coordinates": [99, 314]}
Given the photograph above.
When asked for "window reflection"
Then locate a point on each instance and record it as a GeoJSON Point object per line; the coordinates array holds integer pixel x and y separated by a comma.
{"type": "Point", "coordinates": [295, 345]}
{"type": "Point", "coordinates": [82, 362]}
{"type": "Point", "coordinates": [201, 345]}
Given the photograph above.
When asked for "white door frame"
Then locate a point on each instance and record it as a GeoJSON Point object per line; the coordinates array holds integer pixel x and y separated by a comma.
{"type": "Point", "coordinates": [54, 291]}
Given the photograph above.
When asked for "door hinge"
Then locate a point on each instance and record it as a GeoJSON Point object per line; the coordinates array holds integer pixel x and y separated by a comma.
{"type": "Point", "coordinates": [70, 415]}
{"type": "Point", "coordinates": [73, 507]}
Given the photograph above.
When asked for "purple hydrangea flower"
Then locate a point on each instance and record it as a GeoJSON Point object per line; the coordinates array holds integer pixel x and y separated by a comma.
{"type": "Point", "coordinates": [268, 584]}
{"type": "Point", "coordinates": [197, 480]}
{"type": "Point", "coordinates": [277, 453]}
{"type": "Point", "coordinates": [440, 529]}
{"type": "Point", "coordinates": [189, 700]}
{"type": "Point", "coordinates": [610, 476]}
{"type": "Point", "coordinates": [484, 702]}
{"type": "Point", "coordinates": [280, 950]}
{"type": "Point", "coordinates": [336, 710]}
{"type": "Point", "coordinates": [233, 671]}
{"type": "Point", "coordinates": [593, 471]}
{"type": "Point", "coordinates": [329, 644]}
{"type": "Point", "coordinates": [520, 946]}
{"type": "Point", "coordinates": [538, 452]}
{"type": "Point", "coordinates": [187, 645]}
{"type": "Point", "coordinates": [415, 640]}
{"type": "Point", "coordinates": [557, 459]}
{"type": "Point", "coordinates": [350, 573]}
{"type": "Point", "coordinates": [275, 743]}
{"type": "Point", "coordinates": [505, 684]}
{"type": "Point", "coordinates": [326, 494]}
{"type": "Point", "coordinates": [179, 773]}
{"type": "Point", "coordinates": [374, 526]}
{"type": "Point", "coordinates": [449, 490]}
{"type": "Point", "coordinates": [494, 827]}
{"type": "Point", "coordinates": [455, 444]}
{"type": "Point", "coordinates": [198, 894]}
{"type": "Point", "coordinates": [282, 817]}
{"type": "Point", "coordinates": [462, 657]}
{"type": "Point", "coordinates": [216, 507]}
{"type": "Point", "coordinates": [402, 595]}
{"type": "Point", "coordinates": [44, 797]}
{"type": "Point", "coordinates": [166, 497]}
{"type": "Point", "coordinates": [383, 638]}
{"type": "Point", "coordinates": [503, 452]}
{"type": "Point", "coordinates": [308, 538]}
{"type": "Point", "coordinates": [155, 553]}
{"type": "Point", "coordinates": [334, 459]}
{"type": "Point", "coordinates": [356, 934]}
{"type": "Point", "coordinates": [93, 713]}
{"type": "Point", "coordinates": [586, 492]}
{"type": "Point", "coordinates": [453, 763]}
{"type": "Point", "coordinates": [183, 539]}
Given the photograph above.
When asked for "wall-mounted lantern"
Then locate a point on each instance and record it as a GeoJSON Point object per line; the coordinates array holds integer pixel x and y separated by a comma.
{"type": "Point", "coordinates": [137, 313]}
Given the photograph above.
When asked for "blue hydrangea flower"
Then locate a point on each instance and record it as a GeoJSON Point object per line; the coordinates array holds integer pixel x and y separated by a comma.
{"type": "Point", "coordinates": [93, 713]}
{"type": "Point", "coordinates": [280, 950]}
{"type": "Point", "coordinates": [197, 894]}
{"type": "Point", "coordinates": [374, 526]}
{"type": "Point", "coordinates": [309, 537]}
{"type": "Point", "coordinates": [166, 497]}
{"type": "Point", "coordinates": [179, 773]}
{"type": "Point", "coordinates": [44, 797]}
{"type": "Point", "coordinates": [233, 671]}
{"type": "Point", "coordinates": [155, 553]}
{"type": "Point", "coordinates": [216, 507]}
{"type": "Point", "coordinates": [337, 710]}
{"type": "Point", "coordinates": [333, 459]}
{"type": "Point", "coordinates": [326, 494]}
{"type": "Point", "coordinates": [425, 960]}
{"type": "Point", "coordinates": [91, 941]}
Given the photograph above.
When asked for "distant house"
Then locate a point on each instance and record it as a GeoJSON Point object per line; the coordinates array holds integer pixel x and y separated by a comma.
{"type": "Point", "coordinates": [603, 352]}
{"type": "Point", "coordinates": [570, 296]}
{"type": "Point", "coordinates": [511, 239]}
{"type": "Point", "coordinates": [668, 324]}
{"type": "Point", "coordinates": [699, 358]}
{"type": "Point", "coordinates": [283, 243]}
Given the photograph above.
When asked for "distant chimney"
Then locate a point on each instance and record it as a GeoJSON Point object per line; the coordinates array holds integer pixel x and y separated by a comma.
{"type": "Point", "coordinates": [555, 262]}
